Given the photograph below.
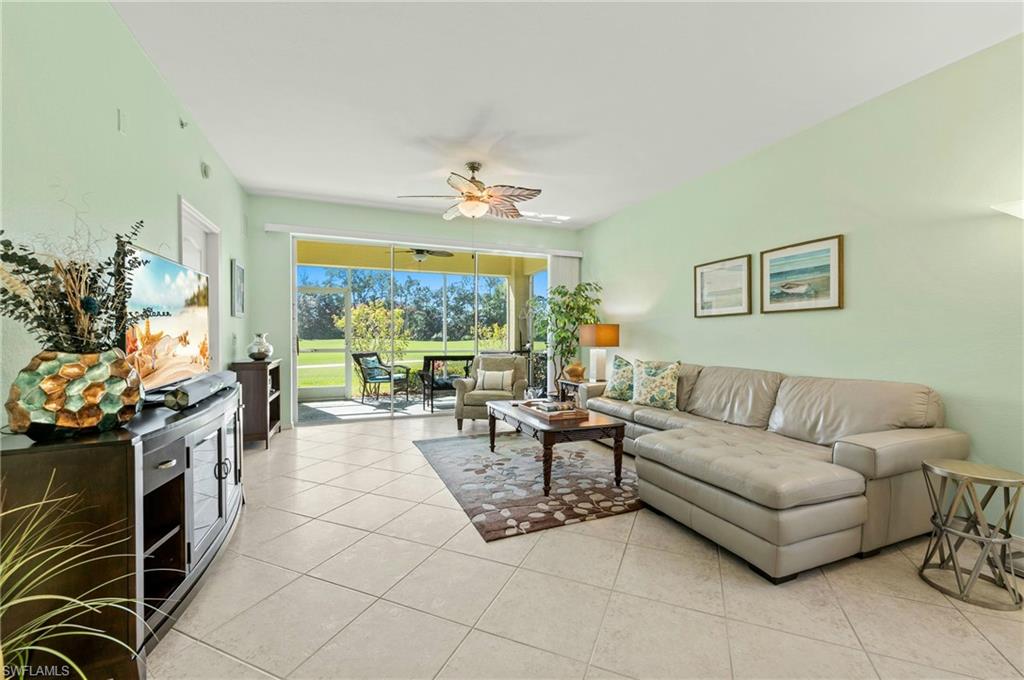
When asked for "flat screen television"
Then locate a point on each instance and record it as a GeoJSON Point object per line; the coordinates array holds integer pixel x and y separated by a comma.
{"type": "Point", "coordinates": [175, 347]}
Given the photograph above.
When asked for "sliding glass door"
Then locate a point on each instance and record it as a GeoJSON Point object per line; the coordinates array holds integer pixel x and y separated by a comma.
{"type": "Point", "coordinates": [383, 330]}
{"type": "Point", "coordinates": [322, 300]}
{"type": "Point", "coordinates": [459, 314]}
{"type": "Point", "coordinates": [379, 334]}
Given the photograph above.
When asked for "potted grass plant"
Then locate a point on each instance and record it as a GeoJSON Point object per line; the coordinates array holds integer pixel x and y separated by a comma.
{"type": "Point", "coordinates": [44, 540]}
{"type": "Point", "coordinates": [75, 305]}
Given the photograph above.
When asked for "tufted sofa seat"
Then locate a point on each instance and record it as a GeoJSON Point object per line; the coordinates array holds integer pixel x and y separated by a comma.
{"type": "Point", "coordinates": [787, 472]}
{"type": "Point", "coordinates": [755, 467]}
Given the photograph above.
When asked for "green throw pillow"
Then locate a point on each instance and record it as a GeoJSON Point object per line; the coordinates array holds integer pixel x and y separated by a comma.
{"type": "Point", "coordinates": [655, 383]}
{"type": "Point", "coordinates": [620, 383]}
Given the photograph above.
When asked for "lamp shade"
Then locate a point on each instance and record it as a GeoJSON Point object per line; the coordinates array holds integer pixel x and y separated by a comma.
{"type": "Point", "coordinates": [599, 335]}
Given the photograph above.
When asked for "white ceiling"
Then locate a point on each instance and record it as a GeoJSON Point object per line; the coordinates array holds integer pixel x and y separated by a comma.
{"type": "Point", "coordinates": [599, 105]}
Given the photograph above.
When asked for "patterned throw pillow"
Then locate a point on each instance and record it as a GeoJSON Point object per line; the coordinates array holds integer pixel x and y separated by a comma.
{"type": "Point", "coordinates": [655, 383]}
{"type": "Point", "coordinates": [374, 371]}
{"type": "Point", "coordinates": [494, 380]}
{"type": "Point", "coordinates": [620, 383]}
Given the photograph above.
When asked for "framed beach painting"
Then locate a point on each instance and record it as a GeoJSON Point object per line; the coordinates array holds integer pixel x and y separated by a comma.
{"type": "Point", "coordinates": [722, 287]}
{"type": "Point", "coordinates": [802, 277]}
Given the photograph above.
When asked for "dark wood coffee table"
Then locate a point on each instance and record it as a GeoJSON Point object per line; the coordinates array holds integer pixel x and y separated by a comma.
{"type": "Point", "coordinates": [548, 433]}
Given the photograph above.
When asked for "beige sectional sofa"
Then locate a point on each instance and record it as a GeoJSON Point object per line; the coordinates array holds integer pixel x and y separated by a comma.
{"type": "Point", "coordinates": [787, 472]}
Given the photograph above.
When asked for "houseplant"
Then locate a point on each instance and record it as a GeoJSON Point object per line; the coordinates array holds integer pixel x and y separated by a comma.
{"type": "Point", "coordinates": [43, 541]}
{"type": "Point", "coordinates": [560, 315]}
{"type": "Point", "coordinates": [75, 304]}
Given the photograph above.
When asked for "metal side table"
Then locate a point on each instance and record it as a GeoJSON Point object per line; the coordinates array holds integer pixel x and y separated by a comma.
{"type": "Point", "coordinates": [964, 519]}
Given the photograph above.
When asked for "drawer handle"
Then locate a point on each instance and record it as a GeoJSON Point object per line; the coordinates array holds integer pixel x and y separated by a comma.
{"type": "Point", "coordinates": [167, 464]}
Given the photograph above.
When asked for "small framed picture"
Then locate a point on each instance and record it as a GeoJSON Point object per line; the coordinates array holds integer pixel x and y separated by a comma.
{"type": "Point", "coordinates": [803, 276]}
{"type": "Point", "coordinates": [237, 289]}
{"type": "Point", "coordinates": [722, 287]}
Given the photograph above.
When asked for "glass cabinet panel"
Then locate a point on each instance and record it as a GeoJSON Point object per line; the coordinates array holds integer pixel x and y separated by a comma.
{"type": "Point", "coordinates": [207, 489]}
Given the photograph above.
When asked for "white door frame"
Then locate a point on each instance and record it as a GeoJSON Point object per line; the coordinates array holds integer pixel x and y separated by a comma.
{"type": "Point", "coordinates": [324, 393]}
{"type": "Point", "coordinates": [187, 213]}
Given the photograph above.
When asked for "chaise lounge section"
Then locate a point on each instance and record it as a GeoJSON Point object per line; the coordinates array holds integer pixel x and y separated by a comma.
{"type": "Point", "coordinates": [787, 472]}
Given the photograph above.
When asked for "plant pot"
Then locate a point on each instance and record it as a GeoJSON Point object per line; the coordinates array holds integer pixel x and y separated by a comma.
{"type": "Point", "coordinates": [62, 394]}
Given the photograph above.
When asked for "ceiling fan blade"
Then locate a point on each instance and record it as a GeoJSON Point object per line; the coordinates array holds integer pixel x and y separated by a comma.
{"type": "Point", "coordinates": [511, 193]}
{"type": "Point", "coordinates": [462, 185]}
{"type": "Point", "coordinates": [452, 212]}
{"type": "Point", "coordinates": [448, 197]}
{"type": "Point", "coordinates": [504, 209]}
{"type": "Point", "coordinates": [427, 251]}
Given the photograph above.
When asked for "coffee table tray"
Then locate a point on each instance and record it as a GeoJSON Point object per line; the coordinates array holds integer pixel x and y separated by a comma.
{"type": "Point", "coordinates": [575, 414]}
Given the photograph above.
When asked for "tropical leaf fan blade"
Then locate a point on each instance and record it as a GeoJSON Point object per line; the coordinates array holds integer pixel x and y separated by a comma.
{"type": "Point", "coordinates": [503, 209]}
{"type": "Point", "coordinates": [452, 212]}
{"type": "Point", "coordinates": [462, 185]}
{"type": "Point", "coordinates": [511, 193]}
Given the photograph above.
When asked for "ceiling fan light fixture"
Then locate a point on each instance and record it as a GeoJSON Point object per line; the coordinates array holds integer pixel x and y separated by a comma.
{"type": "Point", "coordinates": [473, 207]}
{"type": "Point", "coordinates": [476, 199]}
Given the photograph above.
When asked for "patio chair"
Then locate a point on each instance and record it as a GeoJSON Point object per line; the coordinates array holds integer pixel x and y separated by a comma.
{"type": "Point", "coordinates": [432, 383]}
{"type": "Point", "coordinates": [374, 373]}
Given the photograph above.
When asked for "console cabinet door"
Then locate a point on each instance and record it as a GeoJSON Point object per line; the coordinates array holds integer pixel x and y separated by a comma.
{"type": "Point", "coordinates": [207, 501]}
{"type": "Point", "coordinates": [231, 467]}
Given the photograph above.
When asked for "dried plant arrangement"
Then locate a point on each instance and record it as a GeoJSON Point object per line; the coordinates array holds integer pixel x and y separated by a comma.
{"type": "Point", "coordinates": [75, 301]}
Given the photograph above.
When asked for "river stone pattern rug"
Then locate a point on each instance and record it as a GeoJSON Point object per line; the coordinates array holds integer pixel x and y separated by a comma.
{"type": "Point", "coordinates": [503, 492]}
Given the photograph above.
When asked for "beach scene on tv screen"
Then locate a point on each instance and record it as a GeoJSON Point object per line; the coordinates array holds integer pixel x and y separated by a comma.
{"type": "Point", "coordinates": [167, 349]}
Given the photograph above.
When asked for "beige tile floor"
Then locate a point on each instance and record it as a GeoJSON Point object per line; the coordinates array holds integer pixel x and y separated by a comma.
{"type": "Point", "coordinates": [351, 560]}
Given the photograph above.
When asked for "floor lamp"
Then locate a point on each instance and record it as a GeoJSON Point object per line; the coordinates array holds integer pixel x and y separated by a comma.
{"type": "Point", "coordinates": [598, 336]}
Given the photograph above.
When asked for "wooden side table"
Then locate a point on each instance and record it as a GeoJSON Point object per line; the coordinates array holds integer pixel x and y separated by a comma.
{"type": "Point", "coordinates": [261, 394]}
{"type": "Point", "coordinates": [958, 480]}
{"type": "Point", "coordinates": [570, 388]}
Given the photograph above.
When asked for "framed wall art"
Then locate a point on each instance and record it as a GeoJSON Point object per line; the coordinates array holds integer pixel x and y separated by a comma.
{"type": "Point", "coordinates": [722, 287]}
{"type": "Point", "coordinates": [237, 289]}
{"type": "Point", "coordinates": [803, 276]}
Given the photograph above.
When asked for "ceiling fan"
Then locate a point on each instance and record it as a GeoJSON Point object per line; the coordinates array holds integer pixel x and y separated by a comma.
{"type": "Point", "coordinates": [476, 199]}
{"type": "Point", "coordinates": [421, 254]}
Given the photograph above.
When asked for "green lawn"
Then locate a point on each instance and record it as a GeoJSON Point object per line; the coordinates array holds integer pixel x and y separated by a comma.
{"type": "Point", "coordinates": [327, 369]}
{"type": "Point", "coordinates": [321, 376]}
{"type": "Point", "coordinates": [414, 352]}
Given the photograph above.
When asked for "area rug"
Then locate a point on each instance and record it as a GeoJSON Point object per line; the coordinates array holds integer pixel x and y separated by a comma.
{"type": "Point", "coordinates": [503, 492]}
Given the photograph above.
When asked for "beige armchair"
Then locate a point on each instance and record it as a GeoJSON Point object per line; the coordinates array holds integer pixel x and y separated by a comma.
{"type": "Point", "coordinates": [472, 403]}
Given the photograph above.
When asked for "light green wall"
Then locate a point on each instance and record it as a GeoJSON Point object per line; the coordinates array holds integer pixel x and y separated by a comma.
{"type": "Point", "coordinates": [67, 68]}
{"type": "Point", "coordinates": [934, 280]}
{"type": "Point", "coordinates": [933, 275]}
{"type": "Point", "coordinates": [269, 253]}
